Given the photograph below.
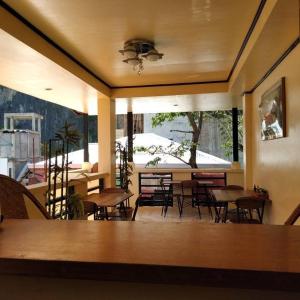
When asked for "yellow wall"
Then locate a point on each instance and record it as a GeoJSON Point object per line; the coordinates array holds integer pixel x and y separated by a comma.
{"type": "Point", "coordinates": [276, 163]}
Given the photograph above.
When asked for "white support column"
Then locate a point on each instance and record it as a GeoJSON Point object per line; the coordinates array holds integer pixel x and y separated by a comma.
{"type": "Point", "coordinates": [5, 123]}
{"type": "Point", "coordinates": [247, 147]}
{"type": "Point", "coordinates": [106, 139]}
{"type": "Point", "coordinates": [39, 125]}
{"type": "Point", "coordinates": [11, 125]}
{"type": "Point", "coordinates": [33, 123]}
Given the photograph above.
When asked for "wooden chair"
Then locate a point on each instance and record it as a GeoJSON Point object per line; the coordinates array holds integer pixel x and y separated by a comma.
{"type": "Point", "coordinates": [294, 216]}
{"type": "Point", "coordinates": [227, 207]}
{"type": "Point", "coordinates": [12, 199]}
{"type": "Point", "coordinates": [246, 210]}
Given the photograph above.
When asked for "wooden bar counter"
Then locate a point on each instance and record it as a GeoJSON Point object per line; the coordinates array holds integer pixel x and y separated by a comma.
{"type": "Point", "coordinates": [261, 257]}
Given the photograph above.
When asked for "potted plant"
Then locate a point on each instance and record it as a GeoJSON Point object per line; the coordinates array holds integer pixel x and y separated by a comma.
{"type": "Point", "coordinates": [58, 171]}
{"type": "Point", "coordinates": [76, 208]}
{"type": "Point", "coordinates": [125, 171]}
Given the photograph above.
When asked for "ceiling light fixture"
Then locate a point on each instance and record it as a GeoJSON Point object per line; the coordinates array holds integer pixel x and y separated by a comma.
{"type": "Point", "coordinates": [135, 51]}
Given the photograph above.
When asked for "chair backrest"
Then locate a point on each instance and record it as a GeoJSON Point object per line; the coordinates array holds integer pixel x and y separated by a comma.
{"type": "Point", "coordinates": [12, 199]}
{"type": "Point", "coordinates": [189, 187]}
{"type": "Point", "coordinates": [246, 205]}
{"type": "Point", "coordinates": [193, 183]}
{"type": "Point", "coordinates": [233, 187]}
{"type": "Point", "coordinates": [294, 216]}
{"type": "Point", "coordinates": [194, 188]}
{"type": "Point", "coordinates": [166, 192]}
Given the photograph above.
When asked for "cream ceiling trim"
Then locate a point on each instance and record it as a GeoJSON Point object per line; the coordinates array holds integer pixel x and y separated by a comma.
{"type": "Point", "coordinates": [274, 66]}
{"type": "Point", "coordinates": [167, 90]}
{"type": "Point", "coordinates": [19, 30]}
{"type": "Point", "coordinates": [257, 30]}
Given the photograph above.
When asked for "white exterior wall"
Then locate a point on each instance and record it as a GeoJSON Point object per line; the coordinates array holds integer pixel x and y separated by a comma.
{"type": "Point", "coordinates": [19, 145]}
{"type": "Point", "coordinates": [4, 166]}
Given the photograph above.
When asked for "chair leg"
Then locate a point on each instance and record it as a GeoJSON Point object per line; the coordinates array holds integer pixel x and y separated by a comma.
{"type": "Point", "coordinates": [199, 212]}
{"type": "Point", "coordinates": [210, 212]}
{"type": "Point", "coordinates": [179, 205]}
{"type": "Point", "coordinates": [180, 201]}
{"type": "Point", "coordinates": [135, 211]}
{"type": "Point", "coordinates": [225, 213]}
{"type": "Point", "coordinates": [165, 210]}
{"type": "Point", "coordinates": [106, 213]}
{"type": "Point", "coordinates": [123, 208]}
{"type": "Point", "coordinates": [217, 215]}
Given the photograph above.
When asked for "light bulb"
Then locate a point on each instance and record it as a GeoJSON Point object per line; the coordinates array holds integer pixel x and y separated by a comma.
{"type": "Point", "coordinates": [133, 61]}
{"type": "Point", "coordinates": [130, 52]}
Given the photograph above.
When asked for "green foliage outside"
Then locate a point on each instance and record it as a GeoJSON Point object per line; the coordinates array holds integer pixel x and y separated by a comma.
{"type": "Point", "coordinates": [191, 139]}
{"type": "Point", "coordinates": [125, 168]}
{"type": "Point", "coordinates": [76, 207]}
{"type": "Point", "coordinates": [69, 133]}
{"type": "Point", "coordinates": [225, 126]}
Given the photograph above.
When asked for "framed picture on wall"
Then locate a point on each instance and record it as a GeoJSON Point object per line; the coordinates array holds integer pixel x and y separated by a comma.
{"type": "Point", "coordinates": [272, 112]}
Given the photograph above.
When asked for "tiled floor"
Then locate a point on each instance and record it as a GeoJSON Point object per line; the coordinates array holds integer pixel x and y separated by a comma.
{"type": "Point", "coordinates": [190, 214]}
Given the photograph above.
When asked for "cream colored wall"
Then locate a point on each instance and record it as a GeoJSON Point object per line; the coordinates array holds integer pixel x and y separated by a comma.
{"type": "Point", "coordinates": [106, 139]}
{"type": "Point", "coordinates": [276, 163]}
{"type": "Point", "coordinates": [80, 183]}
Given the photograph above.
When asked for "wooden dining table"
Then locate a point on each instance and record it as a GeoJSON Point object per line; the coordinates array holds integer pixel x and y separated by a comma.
{"type": "Point", "coordinates": [177, 190]}
{"type": "Point", "coordinates": [109, 199]}
{"type": "Point", "coordinates": [224, 197]}
{"type": "Point", "coordinates": [233, 195]}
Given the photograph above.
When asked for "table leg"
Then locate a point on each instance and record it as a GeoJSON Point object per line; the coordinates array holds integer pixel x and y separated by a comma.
{"type": "Point", "coordinates": [225, 213]}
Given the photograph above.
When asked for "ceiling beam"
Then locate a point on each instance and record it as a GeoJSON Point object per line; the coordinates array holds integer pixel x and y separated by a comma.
{"type": "Point", "coordinates": [17, 27]}
{"type": "Point", "coordinates": [168, 90]}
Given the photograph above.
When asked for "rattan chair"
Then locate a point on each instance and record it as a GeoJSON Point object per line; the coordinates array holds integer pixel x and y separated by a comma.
{"type": "Point", "coordinates": [12, 199]}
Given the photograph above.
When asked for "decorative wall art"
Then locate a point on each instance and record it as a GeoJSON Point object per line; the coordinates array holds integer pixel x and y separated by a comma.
{"type": "Point", "coordinates": [272, 112]}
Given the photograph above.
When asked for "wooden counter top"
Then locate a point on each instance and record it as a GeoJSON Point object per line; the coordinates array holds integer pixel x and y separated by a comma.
{"type": "Point", "coordinates": [230, 255]}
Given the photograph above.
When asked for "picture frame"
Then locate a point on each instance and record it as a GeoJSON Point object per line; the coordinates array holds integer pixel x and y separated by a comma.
{"type": "Point", "coordinates": [272, 109]}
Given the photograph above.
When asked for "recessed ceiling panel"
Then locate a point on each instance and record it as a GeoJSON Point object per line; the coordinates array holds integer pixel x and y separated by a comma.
{"type": "Point", "coordinates": [200, 39]}
{"type": "Point", "coordinates": [180, 103]}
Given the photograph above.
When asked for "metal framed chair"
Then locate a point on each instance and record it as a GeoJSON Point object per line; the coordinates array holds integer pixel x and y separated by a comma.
{"type": "Point", "coordinates": [195, 195]}
{"type": "Point", "coordinates": [220, 208]}
{"type": "Point", "coordinates": [189, 189]}
{"type": "Point", "coordinates": [293, 217]}
{"type": "Point", "coordinates": [162, 197]}
{"type": "Point", "coordinates": [12, 199]}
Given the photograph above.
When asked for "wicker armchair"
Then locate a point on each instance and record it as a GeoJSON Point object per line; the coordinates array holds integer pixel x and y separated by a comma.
{"type": "Point", "coordinates": [12, 199]}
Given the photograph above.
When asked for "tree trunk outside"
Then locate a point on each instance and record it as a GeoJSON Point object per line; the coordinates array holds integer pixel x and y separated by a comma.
{"type": "Point", "coordinates": [195, 120]}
